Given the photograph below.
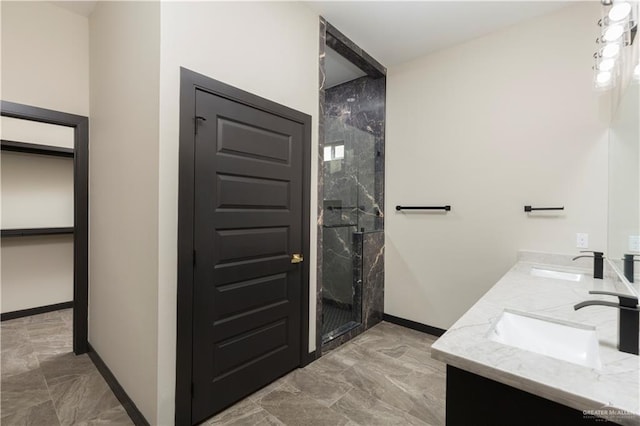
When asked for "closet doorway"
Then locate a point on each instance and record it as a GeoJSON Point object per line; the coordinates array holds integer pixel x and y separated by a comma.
{"type": "Point", "coordinates": [80, 229]}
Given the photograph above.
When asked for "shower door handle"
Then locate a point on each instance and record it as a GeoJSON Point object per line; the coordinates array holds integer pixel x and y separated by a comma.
{"type": "Point", "coordinates": [296, 258]}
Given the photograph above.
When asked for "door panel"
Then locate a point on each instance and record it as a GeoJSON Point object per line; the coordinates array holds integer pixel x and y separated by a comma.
{"type": "Point", "coordinates": [247, 224]}
{"type": "Point", "coordinates": [249, 141]}
{"type": "Point", "coordinates": [257, 193]}
{"type": "Point", "coordinates": [244, 244]}
{"type": "Point", "coordinates": [238, 350]}
{"type": "Point", "coordinates": [250, 294]}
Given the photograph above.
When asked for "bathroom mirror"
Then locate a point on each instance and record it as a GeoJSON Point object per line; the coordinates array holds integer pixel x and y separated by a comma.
{"type": "Point", "coordinates": [624, 181]}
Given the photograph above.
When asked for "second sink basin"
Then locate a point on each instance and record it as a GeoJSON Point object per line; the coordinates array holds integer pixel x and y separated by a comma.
{"type": "Point", "coordinates": [558, 275]}
{"type": "Point", "coordinates": [574, 343]}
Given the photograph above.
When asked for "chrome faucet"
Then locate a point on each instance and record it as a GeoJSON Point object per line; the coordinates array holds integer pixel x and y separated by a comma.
{"type": "Point", "coordinates": [598, 262]}
{"type": "Point", "coordinates": [628, 318]}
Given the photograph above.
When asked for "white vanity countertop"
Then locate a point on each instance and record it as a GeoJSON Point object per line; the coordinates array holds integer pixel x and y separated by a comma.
{"type": "Point", "coordinates": [614, 389]}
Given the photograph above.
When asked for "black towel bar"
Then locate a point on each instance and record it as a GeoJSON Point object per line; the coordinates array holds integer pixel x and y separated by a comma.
{"type": "Point", "coordinates": [530, 209]}
{"type": "Point", "coordinates": [446, 208]}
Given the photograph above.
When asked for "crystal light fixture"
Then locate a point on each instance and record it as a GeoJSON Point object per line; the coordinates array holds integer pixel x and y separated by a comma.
{"type": "Point", "coordinates": [618, 30]}
{"type": "Point", "coordinates": [606, 64]}
{"type": "Point", "coordinates": [612, 33]}
{"type": "Point", "coordinates": [619, 11]}
{"type": "Point", "coordinates": [603, 77]}
{"type": "Point", "coordinates": [610, 50]}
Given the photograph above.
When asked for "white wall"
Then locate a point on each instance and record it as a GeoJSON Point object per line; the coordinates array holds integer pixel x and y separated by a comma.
{"type": "Point", "coordinates": [37, 191]}
{"type": "Point", "coordinates": [15, 129]}
{"type": "Point", "coordinates": [267, 48]}
{"type": "Point", "coordinates": [36, 271]}
{"type": "Point", "coordinates": [45, 56]}
{"type": "Point", "coordinates": [44, 63]}
{"type": "Point", "coordinates": [489, 126]}
{"type": "Point", "coordinates": [123, 188]}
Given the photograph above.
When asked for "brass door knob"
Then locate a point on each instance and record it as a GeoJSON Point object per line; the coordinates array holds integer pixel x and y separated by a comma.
{"type": "Point", "coordinates": [296, 258]}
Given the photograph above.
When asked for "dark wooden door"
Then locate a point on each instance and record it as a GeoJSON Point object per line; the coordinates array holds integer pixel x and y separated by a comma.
{"type": "Point", "coordinates": [247, 227]}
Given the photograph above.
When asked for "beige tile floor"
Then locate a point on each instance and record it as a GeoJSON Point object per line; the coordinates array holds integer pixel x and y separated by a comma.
{"type": "Point", "coordinates": [383, 377]}
{"type": "Point", "coordinates": [44, 384]}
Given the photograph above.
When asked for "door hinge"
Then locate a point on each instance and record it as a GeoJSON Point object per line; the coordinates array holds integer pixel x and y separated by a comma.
{"type": "Point", "coordinates": [197, 120]}
{"type": "Point", "coordinates": [194, 258]}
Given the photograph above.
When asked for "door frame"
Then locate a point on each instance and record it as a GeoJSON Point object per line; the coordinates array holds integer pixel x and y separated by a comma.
{"type": "Point", "coordinates": [191, 81]}
{"type": "Point", "coordinates": [80, 125]}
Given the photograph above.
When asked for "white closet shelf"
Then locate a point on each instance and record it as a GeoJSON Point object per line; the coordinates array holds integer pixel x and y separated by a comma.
{"type": "Point", "coordinates": [26, 232]}
{"type": "Point", "coordinates": [34, 148]}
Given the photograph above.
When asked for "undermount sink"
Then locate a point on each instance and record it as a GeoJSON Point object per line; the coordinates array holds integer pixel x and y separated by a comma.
{"type": "Point", "coordinates": [558, 275]}
{"type": "Point", "coordinates": [570, 342]}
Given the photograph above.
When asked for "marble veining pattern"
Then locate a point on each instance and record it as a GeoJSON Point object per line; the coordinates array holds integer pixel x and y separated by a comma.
{"type": "Point", "coordinates": [385, 376]}
{"type": "Point", "coordinates": [351, 197]}
{"type": "Point", "coordinates": [320, 257]}
{"type": "Point", "coordinates": [368, 255]}
{"type": "Point", "coordinates": [615, 386]}
{"type": "Point", "coordinates": [355, 119]}
{"type": "Point", "coordinates": [373, 278]}
{"type": "Point", "coordinates": [44, 383]}
{"type": "Point", "coordinates": [353, 50]}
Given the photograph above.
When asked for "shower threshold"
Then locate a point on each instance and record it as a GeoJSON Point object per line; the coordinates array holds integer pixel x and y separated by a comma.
{"type": "Point", "coordinates": [339, 331]}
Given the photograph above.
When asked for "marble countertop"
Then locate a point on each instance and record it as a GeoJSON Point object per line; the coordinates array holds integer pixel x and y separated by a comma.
{"type": "Point", "coordinates": [613, 390]}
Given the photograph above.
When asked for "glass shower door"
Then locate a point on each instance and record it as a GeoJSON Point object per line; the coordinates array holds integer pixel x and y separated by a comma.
{"type": "Point", "coordinates": [349, 210]}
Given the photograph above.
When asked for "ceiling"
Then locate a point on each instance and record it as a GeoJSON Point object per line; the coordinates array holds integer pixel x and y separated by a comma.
{"type": "Point", "coordinates": [397, 31]}
{"type": "Point", "coordinates": [338, 69]}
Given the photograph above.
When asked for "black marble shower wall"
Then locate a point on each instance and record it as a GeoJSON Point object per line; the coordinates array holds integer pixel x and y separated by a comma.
{"type": "Point", "coordinates": [354, 123]}
{"type": "Point", "coordinates": [351, 198]}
